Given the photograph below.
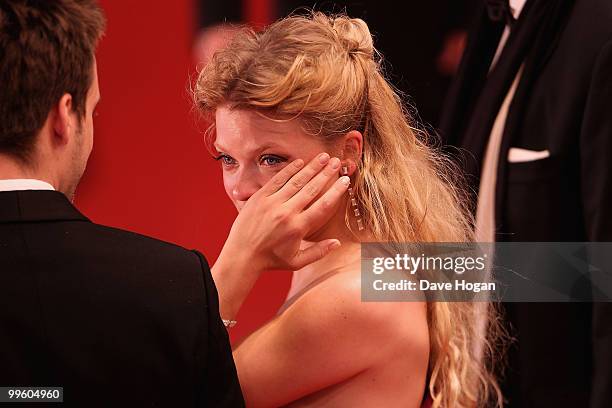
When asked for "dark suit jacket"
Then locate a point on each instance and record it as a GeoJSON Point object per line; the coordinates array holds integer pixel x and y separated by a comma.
{"type": "Point", "coordinates": [563, 357]}
{"type": "Point", "coordinates": [114, 317]}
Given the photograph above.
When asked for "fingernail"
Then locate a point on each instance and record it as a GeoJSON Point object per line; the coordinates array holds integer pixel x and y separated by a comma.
{"type": "Point", "coordinates": [345, 180]}
{"type": "Point", "coordinates": [335, 163]}
{"type": "Point", "coordinates": [334, 245]}
{"type": "Point", "coordinates": [323, 158]}
{"type": "Point", "coordinates": [298, 163]}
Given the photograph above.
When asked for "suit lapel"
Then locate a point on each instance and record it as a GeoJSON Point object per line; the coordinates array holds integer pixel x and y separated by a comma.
{"type": "Point", "coordinates": [552, 17]}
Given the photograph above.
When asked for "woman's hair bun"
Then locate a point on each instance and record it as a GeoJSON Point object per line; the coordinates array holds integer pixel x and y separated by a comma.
{"type": "Point", "coordinates": [354, 35]}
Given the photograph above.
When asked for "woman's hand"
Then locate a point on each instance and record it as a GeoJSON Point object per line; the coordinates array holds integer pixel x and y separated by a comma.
{"type": "Point", "coordinates": [269, 229]}
{"type": "Point", "coordinates": [272, 224]}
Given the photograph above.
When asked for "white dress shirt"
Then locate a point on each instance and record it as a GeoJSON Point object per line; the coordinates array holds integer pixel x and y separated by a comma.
{"type": "Point", "coordinates": [24, 184]}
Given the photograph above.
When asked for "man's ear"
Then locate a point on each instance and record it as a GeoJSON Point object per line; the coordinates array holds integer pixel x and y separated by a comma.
{"type": "Point", "coordinates": [63, 122]}
{"type": "Point", "coordinates": [351, 150]}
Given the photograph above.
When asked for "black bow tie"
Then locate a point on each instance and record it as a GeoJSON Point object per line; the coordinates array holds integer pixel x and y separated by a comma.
{"type": "Point", "coordinates": [500, 10]}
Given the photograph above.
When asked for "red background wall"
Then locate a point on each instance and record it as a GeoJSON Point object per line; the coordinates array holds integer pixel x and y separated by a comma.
{"type": "Point", "coordinates": [150, 171]}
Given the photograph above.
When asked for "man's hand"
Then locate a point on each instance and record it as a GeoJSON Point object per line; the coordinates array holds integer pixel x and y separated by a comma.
{"type": "Point", "coordinates": [271, 226]}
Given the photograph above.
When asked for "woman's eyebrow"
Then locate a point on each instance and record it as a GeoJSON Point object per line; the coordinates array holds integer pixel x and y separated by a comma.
{"type": "Point", "coordinates": [218, 147]}
{"type": "Point", "coordinates": [255, 149]}
{"type": "Point", "coordinates": [270, 145]}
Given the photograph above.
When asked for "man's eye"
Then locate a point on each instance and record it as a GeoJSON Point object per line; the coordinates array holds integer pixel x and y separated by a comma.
{"type": "Point", "coordinates": [225, 160]}
{"type": "Point", "coordinates": [271, 160]}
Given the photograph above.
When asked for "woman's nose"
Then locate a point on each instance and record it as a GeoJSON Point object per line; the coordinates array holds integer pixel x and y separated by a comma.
{"type": "Point", "coordinates": [246, 185]}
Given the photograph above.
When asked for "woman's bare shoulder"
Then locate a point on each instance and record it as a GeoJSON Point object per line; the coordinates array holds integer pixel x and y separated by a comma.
{"type": "Point", "coordinates": [333, 313]}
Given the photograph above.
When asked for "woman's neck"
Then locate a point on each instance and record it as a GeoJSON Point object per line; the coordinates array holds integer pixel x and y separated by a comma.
{"type": "Point", "coordinates": [345, 257]}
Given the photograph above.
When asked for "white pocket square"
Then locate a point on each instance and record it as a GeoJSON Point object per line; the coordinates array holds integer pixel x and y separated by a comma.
{"type": "Point", "coordinates": [518, 155]}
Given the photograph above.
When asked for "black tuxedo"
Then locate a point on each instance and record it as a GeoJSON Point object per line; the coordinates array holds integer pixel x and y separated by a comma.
{"type": "Point", "coordinates": [116, 318]}
{"type": "Point", "coordinates": [562, 104]}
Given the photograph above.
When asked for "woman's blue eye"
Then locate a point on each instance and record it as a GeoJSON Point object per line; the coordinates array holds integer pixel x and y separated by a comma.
{"type": "Point", "coordinates": [267, 160]}
{"type": "Point", "coordinates": [271, 160]}
{"type": "Point", "coordinates": [225, 160]}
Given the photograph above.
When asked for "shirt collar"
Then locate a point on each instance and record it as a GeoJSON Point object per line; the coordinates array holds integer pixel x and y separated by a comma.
{"type": "Point", "coordinates": [24, 184]}
{"type": "Point", "coordinates": [516, 6]}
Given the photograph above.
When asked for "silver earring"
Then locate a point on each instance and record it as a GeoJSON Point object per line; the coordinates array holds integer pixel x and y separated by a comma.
{"type": "Point", "coordinates": [353, 201]}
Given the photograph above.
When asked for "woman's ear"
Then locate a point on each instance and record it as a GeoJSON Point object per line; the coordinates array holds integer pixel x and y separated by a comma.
{"type": "Point", "coordinates": [351, 150]}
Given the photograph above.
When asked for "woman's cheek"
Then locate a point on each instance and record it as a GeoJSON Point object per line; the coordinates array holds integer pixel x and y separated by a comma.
{"type": "Point", "coordinates": [266, 173]}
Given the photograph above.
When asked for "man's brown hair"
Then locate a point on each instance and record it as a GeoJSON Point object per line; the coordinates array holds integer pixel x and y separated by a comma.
{"type": "Point", "coordinates": [46, 50]}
